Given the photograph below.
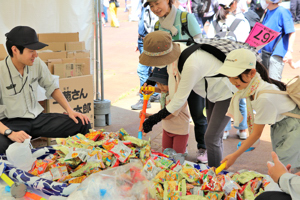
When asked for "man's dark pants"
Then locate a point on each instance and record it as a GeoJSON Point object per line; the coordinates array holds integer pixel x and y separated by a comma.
{"type": "Point", "coordinates": [51, 125]}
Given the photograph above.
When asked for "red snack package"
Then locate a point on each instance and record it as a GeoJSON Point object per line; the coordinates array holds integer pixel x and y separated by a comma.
{"type": "Point", "coordinates": [38, 167]}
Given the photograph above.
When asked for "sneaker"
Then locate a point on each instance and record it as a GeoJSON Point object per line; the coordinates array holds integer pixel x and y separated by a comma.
{"type": "Point", "coordinates": [242, 134]}
{"type": "Point", "coordinates": [225, 135]}
{"type": "Point", "coordinates": [154, 98]}
{"type": "Point", "coordinates": [202, 155]}
{"type": "Point", "coordinates": [139, 105]}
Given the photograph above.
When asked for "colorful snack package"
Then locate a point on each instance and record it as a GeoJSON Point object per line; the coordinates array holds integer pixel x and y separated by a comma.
{"type": "Point", "coordinates": [160, 177]}
{"type": "Point", "coordinates": [196, 190]}
{"type": "Point", "coordinates": [191, 174]}
{"type": "Point", "coordinates": [38, 167]}
{"type": "Point", "coordinates": [248, 193]}
{"type": "Point", "coordinates": [138, 142]}
{"type": "Point", "coordinates": [256, 184]}
{"type": "Point", "coordinates": [109, 144]}
{"type": "Point", "coordinates": [159, 190]}
{"type": "Point", "coordinates": [59, 172]}
{"type": "Point", "coordinates": [245, 177]}
{"type": "Point", "coordinates": [121, 152]}
{"type": "Point", "coordinates": [230, 185]}
{"type": "Point", "coordinates": [177, 167]}
{"type": "Point", "coordinates": [214, 195]}
{"type": "Point", "coordinates": [93, 135]}
{"type": "Point", "coordinates": [150, 169]}
{"type": "Point", "coordinates": [173, 176]}
{"type": "Point", "coordinates": [77, 179]}
{"type": "Point", "coordinates": [163, 162]}
{"type": "Point", "coordinates": [174, 190]}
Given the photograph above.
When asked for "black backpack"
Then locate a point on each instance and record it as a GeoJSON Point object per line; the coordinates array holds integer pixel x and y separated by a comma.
{"type": "Point", "coordinates": [229, 33]}
{"type": "Point", "coordinates": [206, 47]}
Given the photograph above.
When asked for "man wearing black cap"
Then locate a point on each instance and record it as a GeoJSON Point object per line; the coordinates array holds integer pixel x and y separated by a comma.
{"type": "Point", "coordinates": [21, 115]}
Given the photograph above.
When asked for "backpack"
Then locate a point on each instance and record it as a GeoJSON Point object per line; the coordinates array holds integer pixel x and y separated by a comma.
{"type": "Point", "coordinates": [206, 47]}
{"type": "Point", "coordinates": [228, 33]}
{"type": "Point", "coordinates": [292, 90]}
{"type": "Point", "coordinates": [184, 25]}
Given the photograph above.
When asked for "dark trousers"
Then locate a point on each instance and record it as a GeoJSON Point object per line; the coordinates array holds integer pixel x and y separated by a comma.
{"type": "Point", "coordinates": [295, 10]}
{"type": "Point", "coordinates": [273, 195]}
{"type": "Point", "coordinates": [196, 106]}
{"type": "Point", "coordinates": [52, 125]}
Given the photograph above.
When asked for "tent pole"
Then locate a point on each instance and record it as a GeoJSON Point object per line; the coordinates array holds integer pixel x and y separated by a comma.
{"type": "Point", "coordinates": [101, 106]}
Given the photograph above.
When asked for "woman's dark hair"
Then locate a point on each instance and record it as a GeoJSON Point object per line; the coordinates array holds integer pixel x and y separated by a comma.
{"type": "Point", "coordinates": [221, 14]}
{"type": "Point", "coordinates": [9, 45]}
{"type": "Point", "coordinates": [171, 3]}
{"type": "Point", "coordinates": [264, 74]}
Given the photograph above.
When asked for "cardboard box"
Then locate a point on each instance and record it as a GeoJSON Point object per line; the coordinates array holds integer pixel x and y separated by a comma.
{"type": "Point", "coordinates": [51, 63]}
{"type": "Point", "coordinates": [3, 52]}
{"type": "Point", "coordinates": [87, 65]}
{"type": "Point", "coordinates": [58, 37]}
{"type": "Point", "coordinates": [79, 92]}
{"type": "Point", "coordinates": [75, 46]}
{"type": "Point", "coordinates": [68, 70]}
{"type": "Point", "coordinates": [52, 55]}
{"type": "Point", "coordinates": [78, 54]}
{"type": "Point", "coordinates": [55, 46]}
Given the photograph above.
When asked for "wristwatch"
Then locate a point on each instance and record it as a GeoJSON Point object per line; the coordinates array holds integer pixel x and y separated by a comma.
{"type": "Point", "coordinates": [7, 132]}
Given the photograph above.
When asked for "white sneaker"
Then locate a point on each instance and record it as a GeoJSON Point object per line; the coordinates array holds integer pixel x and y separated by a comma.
{"type": "Point", "coordinates": [225, 135]}
{"type": "Point", "coordinates": [242, 135]}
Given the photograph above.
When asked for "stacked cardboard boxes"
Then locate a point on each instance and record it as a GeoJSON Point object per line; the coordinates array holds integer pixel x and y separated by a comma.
{"type": "Point", "coordinates": [67, 57]}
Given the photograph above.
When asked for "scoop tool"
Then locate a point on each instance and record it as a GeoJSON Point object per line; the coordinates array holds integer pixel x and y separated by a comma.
{"type": "Point", "coordinates": [221, 167]}
{"type": "Point", "coordinates": [147, 92]}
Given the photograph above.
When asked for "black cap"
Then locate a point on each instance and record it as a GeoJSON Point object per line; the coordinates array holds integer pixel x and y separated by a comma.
{"type": "Point", "coordinates": [160, 75]}
{"type": "Point", "coordinates": [26, 37]}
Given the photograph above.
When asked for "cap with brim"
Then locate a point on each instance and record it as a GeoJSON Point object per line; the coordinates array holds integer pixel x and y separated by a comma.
{"type": "Point", "coordinates": [159, 49]}
{"type": "Point", "coordinates": [147, 2]}
{"type": "Point", "coordinates": [160, 75]}
{"type": "Point", "coordinates": [26, 37]}
{"type": "Point", "coordinates": [225, 3]}
{"type": "Point", "coordinates": [237, 61]}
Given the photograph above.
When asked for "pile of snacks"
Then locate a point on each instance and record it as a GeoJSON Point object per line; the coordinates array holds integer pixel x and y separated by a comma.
{"type": "Point", "coordinates": [79, 156]}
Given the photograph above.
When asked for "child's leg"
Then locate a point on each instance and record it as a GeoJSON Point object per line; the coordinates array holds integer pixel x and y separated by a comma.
{"type": "Point", "coordinates": [167, 140]}
{"type": "Point", "coordinates": [179, 143]}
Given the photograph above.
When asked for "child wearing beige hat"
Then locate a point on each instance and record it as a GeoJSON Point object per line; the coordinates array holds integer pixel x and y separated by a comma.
{"type": "Point", "coordinates": [159, 51]}
{"type": "Point", "coordinates": [251, 79]}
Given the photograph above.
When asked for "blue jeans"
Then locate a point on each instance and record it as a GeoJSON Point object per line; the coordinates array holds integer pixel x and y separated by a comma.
{"type": "Point", "coordinates": [105, 13]}
{"type": "Point", "coordinates": [199, 20]}
{"type": "Point", "coordinates": [143, 71]}
{"type": "Point", "coordinates": [243, 124]}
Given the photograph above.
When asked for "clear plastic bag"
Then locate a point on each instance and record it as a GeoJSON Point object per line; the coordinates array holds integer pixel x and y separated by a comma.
{"type": "Point", "coordinates": [20, 155]}
{"type": "Point", "coordinates": [126, 182]}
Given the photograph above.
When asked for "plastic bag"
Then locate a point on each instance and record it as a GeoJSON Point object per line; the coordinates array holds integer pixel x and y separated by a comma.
{"type": "Point", "coordinates": [126, 182]}
{"type": "Point", "coordinates": [20, 155]}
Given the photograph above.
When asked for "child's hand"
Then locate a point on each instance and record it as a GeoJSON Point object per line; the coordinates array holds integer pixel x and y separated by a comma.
{"type": "Point", "coordinates": [231, 158]}
{"type": "Point", "coordinates": [146, 114]}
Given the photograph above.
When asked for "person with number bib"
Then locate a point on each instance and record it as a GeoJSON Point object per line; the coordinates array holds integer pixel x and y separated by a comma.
{"type": "Point", "coordinates": [172, 21]}
{"type": "Point", "coordinates": [279, 51]}
{"type": "Point", "coordinates": [251, 79]}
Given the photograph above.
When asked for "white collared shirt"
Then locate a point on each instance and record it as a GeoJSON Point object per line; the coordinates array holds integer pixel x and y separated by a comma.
{"type": "Point", "coordinates": [17, 102]}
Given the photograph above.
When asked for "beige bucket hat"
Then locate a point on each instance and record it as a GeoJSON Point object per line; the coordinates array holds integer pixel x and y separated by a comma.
{"type": "Point", "coordinates": [159, 49]}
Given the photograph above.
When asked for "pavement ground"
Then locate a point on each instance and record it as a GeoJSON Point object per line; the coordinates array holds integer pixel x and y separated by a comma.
{"type": "Point", "coordinates": [121, 85]}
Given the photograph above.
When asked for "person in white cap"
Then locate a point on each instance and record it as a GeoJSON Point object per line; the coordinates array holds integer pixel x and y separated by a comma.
{"type": "Point", "coordinates": [251, 78]}
{"type": "Point", "coordinates": [279, 51]}
{"type": "Point", "coordinates": [21, 115]}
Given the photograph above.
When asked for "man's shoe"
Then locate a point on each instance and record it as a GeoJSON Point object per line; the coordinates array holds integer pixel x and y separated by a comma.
{"type": "Point", "coordinates": [202, 155]}
{"type": "Point", "coordinates": [225, 135]}
{"type": "Point", "coordinates": [154, 98]}
{"type": "Point", "coordinates": [242, 134]}
{"type": "Point", "coordinates": [139, 105]}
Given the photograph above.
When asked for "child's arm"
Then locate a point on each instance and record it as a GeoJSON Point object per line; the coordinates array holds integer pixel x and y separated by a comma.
{"type": "Point", "coordinates": [257, 131]}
